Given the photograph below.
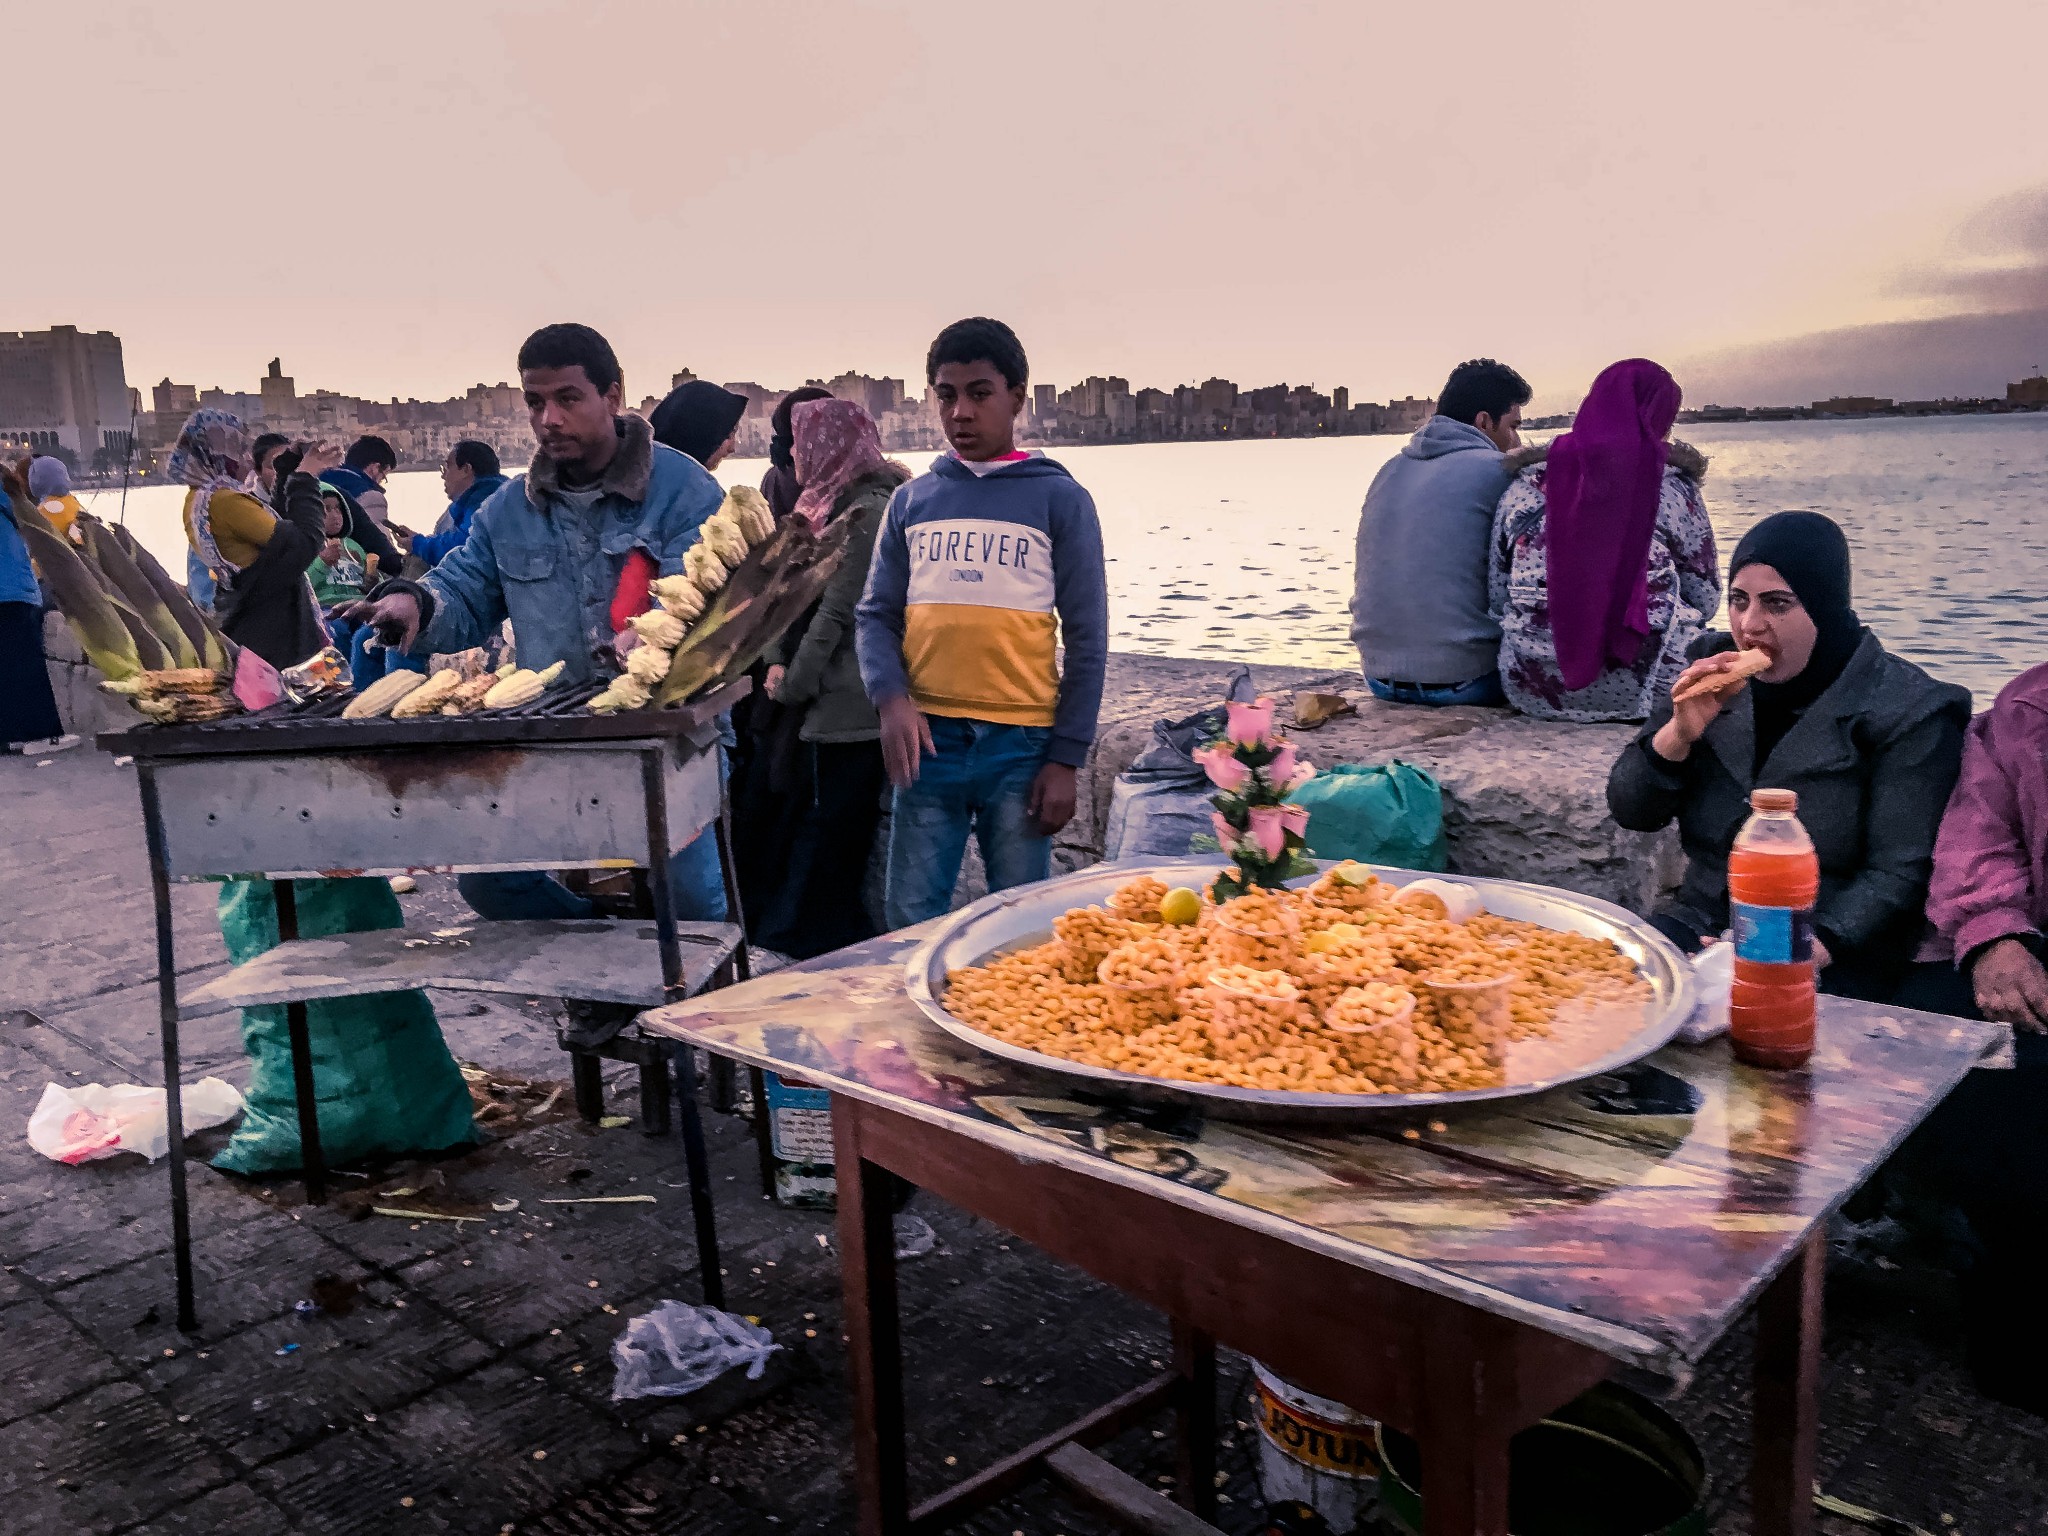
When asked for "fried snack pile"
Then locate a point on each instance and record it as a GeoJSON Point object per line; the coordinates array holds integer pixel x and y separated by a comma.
{"type": "Point", "coordinates": [1339, 988]}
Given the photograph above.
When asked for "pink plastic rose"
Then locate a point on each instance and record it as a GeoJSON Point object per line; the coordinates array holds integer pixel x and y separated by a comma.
{"type": "Point", "coordinates": [1280, 771]}
{"type": "Point", "coordinates": [1249, 724]}
{"type": "Point", "coordinates": [1223, 768]}
{"type": "Point", "coordinates": [1226, 834]}
{"type": "Point", "coordinates": [1295, 819]}
{"type": "Point", "coordinates": [1269, 830]}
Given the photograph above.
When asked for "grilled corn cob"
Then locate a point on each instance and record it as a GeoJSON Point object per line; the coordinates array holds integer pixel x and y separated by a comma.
{"type": "Point", "coordinates": [626, 692]}
{"type": "Point", "coordinates": [429, 696]}
{"type": "Point", "coordinates": [382, 696]}
{"type": "Point", "coordinates": [648, 663]}
{"type": "Point", "coordinates": [469, 695]}
{"type": "Point", "coordinates": [189, 708]}
{"type": "Point", "coordinates": [656, 628]}
{"type": "Point", "coordinates": [522, 687]}
{"type": "Point", "coordinates": [181, 680]}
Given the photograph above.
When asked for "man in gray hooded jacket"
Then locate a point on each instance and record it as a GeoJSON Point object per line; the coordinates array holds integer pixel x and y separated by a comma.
{"type": "Point", "coordinates": [1418, 609]}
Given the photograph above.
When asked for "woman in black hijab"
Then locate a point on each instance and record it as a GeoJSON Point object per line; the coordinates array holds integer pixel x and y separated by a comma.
{"type": "Point", "coordinates": [780, 484]}
{"type": "Point", "coordinates": [1871, 744]}
{"type": "Point", "coordinates": [699, 418]}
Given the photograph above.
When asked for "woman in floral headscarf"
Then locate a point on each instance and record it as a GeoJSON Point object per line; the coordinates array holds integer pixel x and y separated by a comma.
{"type": "Point", "coordinates": [258, 556]}
{"type": "Point", "coordinates": [839, 462]}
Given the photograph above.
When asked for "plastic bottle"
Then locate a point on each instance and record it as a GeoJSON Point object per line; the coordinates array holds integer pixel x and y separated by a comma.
{"type": "Point", "coordinates": [1773, 882]}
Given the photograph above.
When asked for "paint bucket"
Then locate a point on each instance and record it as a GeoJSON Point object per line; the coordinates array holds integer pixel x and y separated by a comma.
{"type": "Point", "coordinates": [1609, 1463]}
{"type": "Point", "coordinates": [800, 1137]}
{"type": "Point", "coordinates": [1314, 1451]}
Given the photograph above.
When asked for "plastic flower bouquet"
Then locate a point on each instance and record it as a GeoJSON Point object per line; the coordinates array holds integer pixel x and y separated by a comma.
{"type": "Point", "coordinates": [1254, 770]}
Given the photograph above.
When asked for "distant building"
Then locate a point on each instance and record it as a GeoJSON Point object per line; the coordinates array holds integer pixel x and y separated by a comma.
{"type": "Point", "coordinates": [64, 388]}
{"type": "Point", "coordinates": [279, 394]}
{"type": "Point", "coordinates": [1045, 399]}
{"type": "Point", "coordinates": [1408, 414]}
{"type": "Point", "coordinates": [2029, 392]}
{"type": "Point", "coordinates": [1850, 405]}
{"type": "Point", "coordinates": [1340, 400]}
{"type": "Point", "coordinates": [1217, 397]}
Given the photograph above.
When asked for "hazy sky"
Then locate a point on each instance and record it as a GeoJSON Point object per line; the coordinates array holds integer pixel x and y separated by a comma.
{"type": "Point", "coordinates": [391, 195]}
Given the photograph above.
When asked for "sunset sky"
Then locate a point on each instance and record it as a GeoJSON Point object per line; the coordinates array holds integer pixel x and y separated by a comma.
{"type": "Point", "coordinates": [390, 195]}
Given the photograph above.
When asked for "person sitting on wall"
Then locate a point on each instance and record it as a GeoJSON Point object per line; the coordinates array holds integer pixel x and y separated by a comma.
{"type": "Point", "coordinates": [1419, 607]}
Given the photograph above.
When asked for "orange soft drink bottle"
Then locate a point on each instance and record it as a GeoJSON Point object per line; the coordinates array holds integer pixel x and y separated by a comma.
{"type": "Point", "coordinates": [1773, 882]}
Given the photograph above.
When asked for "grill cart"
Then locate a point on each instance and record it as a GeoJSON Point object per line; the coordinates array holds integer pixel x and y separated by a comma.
{"type": "Point", "coordinates": [298, 792]}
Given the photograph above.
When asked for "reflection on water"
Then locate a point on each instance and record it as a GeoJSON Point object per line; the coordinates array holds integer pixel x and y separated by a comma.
{"type": "Point", "coordinates": [1244, 550]}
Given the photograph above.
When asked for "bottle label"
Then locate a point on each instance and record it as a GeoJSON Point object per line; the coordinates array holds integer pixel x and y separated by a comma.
{"type": "Point", "coordinates": [1773, 935]}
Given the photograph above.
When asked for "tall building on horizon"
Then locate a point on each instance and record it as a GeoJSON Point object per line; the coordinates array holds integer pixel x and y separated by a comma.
{"type": "Point", "coordinates": [64, 388]}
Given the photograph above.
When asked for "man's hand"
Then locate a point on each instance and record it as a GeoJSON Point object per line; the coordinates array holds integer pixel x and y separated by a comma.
{"type": "Point", "coordinates": [772, 683]}
{"type": "Point", "coordinates": [1052, 798]}
{"type": "Point", "coordinates": [396, 618]}
{"type": "Point", "coordinates": [1821, 958]}
{"type": "Point", "coordinates": [2011, 985]}
{"type": "Point", "coordinates": [331, 551]}
{"type": "Point", "coordinates": [400, 536]}
{"type": "Point", "coordinates": [316, 459]}
{"type": "Point", "coordinates": [906, 737]}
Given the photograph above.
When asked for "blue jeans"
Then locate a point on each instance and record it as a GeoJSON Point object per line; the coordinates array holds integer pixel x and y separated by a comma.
{"type": "Point", "coordinates": [979, 780]}
{"type": "Point", "coordinates": [1481, 690]}
{"type": "Point", "coordinates": [696, 884]}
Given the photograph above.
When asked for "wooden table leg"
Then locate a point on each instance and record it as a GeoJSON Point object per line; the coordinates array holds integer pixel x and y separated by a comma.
{"type": "Point", "coordinates": [1785, 1416]}
{"type": "Point", "coordinates": [1194, 1361]}
{"type": "Point", "coordinates": [867, 1270]}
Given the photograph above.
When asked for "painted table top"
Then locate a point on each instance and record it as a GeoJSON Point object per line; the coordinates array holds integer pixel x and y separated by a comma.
{"type": "Point", "coordinates": [1637, 1213]}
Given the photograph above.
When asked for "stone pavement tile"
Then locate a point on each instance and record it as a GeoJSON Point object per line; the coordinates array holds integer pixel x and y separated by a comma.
{"type": "Point", "coordinates": [111, 1214]}
{"type": "Point", "coordinates": [490, 1029]}
{"type": "Point", "coordinates": [657, 1498]}
{"type": "Point", "coordinates": [508, 1292]}
{"type": "Point", "coordinates": [48, 1359]}
{"type": "Point", "coordinates": [255, 1403]}
{"type": "Point", "coordinates": [235, 1510]}
{"type": "Point", "coordinates": [1942, 1448]}
{"type": "Point", "coordinates": [121, 1024]}
{"type": "Point", "coordinates": [242, 1275]}
{"type": "Point", "coordinates": [481, 1451]}
{"type": "Point", "coordinates": [100, 1462]}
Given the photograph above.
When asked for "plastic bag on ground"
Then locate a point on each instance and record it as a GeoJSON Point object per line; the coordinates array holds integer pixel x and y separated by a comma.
{"type": "Point", "coordinates": [77, 1125]}
{"type": "Point", "coordinates": [677, 1349]}
{"type": "Point", "coordinates": [1160, 804]}
{"type": "Point", "coordinates": [1388, 813]}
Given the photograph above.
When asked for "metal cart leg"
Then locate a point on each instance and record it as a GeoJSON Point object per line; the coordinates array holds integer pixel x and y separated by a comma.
{"type": "Point", "coordinates": [764, 1131]}
{"type": "Point", "coordinates": [586, 1083]}
{"type": "Point", "coordinates": [167, 1030]}
{"type": "Point", "coordinates": [701, 1208]}
{"type": "Point", "coordinates": [313, 1167]}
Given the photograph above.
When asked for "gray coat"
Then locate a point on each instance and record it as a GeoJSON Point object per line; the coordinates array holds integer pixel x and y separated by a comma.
{"type": "Point", "coordinates": [1873, 760]}
{"type": "Point", "coordinates": [824, 672]}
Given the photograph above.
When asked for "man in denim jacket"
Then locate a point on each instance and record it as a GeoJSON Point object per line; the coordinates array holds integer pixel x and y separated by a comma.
{"type": "Point", "coordinates": [546, 552]}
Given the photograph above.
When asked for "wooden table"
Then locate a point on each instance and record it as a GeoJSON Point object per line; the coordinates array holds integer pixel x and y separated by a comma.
{"type": "Point", "coordinates": [1457, 1276]}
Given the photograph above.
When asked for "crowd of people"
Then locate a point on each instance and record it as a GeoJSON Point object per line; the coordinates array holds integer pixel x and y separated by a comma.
{"type": "Point", "coordinates": [951, 672]}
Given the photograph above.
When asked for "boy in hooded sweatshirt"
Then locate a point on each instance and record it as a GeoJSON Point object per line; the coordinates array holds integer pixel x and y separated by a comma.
{"type": "Point", "coordinates": [984, 566]}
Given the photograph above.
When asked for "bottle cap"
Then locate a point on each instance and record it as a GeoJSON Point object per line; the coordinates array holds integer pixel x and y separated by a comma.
{"type": "Point", "coordinates": [1782, 801]}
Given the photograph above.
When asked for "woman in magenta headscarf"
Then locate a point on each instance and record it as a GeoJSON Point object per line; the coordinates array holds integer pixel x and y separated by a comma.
{"type": "Point", "coordinates": [1602, 567]}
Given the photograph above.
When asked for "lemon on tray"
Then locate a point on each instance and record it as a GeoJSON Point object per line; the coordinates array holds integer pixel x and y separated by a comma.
{"type": "Point", "coordinates": [1180, 906]}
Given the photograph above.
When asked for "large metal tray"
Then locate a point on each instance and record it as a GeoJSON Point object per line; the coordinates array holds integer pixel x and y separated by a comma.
{"type": "Point", "coordinates": [1010, 919]}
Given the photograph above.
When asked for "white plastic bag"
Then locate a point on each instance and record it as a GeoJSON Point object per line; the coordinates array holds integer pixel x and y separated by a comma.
{"type": "Point", "coordinates": [77, 1125]}
{"type": "Point", "coordinates": [1713, 970]}
{"type": "Point", "coordinates": [677, 1348]}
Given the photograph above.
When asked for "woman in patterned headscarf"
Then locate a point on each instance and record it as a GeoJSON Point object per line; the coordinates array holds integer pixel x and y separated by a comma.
{"type": "Point", "coordinates": [839, 461]}
{"type": "Point", "coordinates": [258, 556]}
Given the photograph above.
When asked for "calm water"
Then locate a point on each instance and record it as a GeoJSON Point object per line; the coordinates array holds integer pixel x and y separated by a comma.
{"type": "Point", "coordinates": [1244, 550]}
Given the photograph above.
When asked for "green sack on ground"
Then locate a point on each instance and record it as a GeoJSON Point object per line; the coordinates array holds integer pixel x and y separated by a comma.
{"type": "Point", "coordinates": [1392, 813]}
{"type": "Point", "coordinates": [382, 1076]}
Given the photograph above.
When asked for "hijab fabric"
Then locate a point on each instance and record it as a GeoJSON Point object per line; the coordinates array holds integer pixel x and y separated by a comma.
{"type": "Point", "coordinates": [212, 446]}
{"type": "Point", "coordinates": [782, 444]}
{"type": "Point", "coordinates": [835, 443]}
{"type": "Point", "coordinates": [1811, 552]}
{"type": "Point", "coordinates": [1601, 487]}
{"type": "Point", "coordinates": [697, 418]}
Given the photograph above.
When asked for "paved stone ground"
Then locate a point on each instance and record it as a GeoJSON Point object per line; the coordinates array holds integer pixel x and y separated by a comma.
{"type": "Point", "coordinates": [470, 1350]}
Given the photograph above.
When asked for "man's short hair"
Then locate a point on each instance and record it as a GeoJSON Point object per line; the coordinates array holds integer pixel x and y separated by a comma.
{"type": "Point", "coordinates": [979, 340]}
{"type": "Point", "coordinates": [572, 346]}
{"type": "Point", "coordinates": [370, 449]}
{"type": "Point", "coordinates": [1482, 386]}
{"type": "Point", "coordinates": [264, 446]}
{"type": "Point", "coordinates": [480, 459]}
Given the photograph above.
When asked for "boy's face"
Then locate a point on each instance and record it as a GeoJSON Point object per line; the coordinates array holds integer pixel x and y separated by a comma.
{"type": "Point", "coordinates": [978, 408]}
{"type": "Point", "coordinates": [336, 518]}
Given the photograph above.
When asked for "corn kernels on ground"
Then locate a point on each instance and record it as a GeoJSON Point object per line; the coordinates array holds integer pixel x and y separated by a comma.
{"type": "Point", "coordinates": [1232, 1020]}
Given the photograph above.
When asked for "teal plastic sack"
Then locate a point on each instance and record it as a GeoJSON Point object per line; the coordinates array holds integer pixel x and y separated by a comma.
{"type": "Point", "coordinates": [382, 1076]}
{"type": "Point", "coordinates": [1389, 814]}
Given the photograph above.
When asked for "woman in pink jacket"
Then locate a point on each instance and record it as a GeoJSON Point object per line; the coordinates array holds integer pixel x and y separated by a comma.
{"type": "Point", "coordinates": [1988, 905]}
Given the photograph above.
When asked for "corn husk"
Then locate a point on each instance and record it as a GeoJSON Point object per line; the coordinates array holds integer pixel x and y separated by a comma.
{"type": "Point", "coordinates": [779, 579]}
{"type": "Point", "coordinates": [94, 616]}
{"type": "Point", "coordinates": [214, 647]}
{"type": "Point", "coordinates": [124, 578]}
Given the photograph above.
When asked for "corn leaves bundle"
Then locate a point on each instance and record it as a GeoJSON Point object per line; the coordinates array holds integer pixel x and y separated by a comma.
{"type": "Point", "coordinates": [780, 577]}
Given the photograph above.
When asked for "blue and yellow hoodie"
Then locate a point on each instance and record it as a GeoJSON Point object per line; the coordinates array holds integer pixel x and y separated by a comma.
{"type": "Point", "coordinates": [977, 580]}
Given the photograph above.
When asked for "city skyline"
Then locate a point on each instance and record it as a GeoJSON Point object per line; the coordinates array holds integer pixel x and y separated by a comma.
{"type": "Point", "coordinates": [1322, 192]}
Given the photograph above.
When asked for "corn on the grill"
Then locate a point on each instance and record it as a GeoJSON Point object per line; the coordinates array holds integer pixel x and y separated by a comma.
{"type": "Point", "coordinates": [189, 708]}
{"type": "Point", "coordinates": [648, 663]}
{"type": "Point", "coordinates": [662, 630]}
{"type": "Point", "coordinates": [181, 680]}
{"type": "Point", "coordinates": [382, 696]}
{"type": "Point", "coordinates": [522, 687]}
{"type": "Point", "coordinates": [469, 695]}
{"type": "Point", "coordinates": [626, 692]}
{"type": "Point", "coordinates": [428, 697]}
